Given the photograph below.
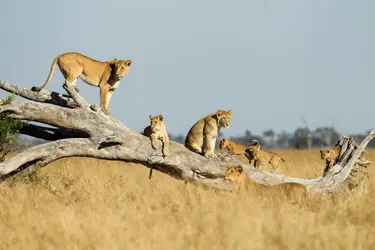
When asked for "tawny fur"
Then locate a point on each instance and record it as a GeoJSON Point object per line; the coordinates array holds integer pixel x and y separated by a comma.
{"type": "Point", "coordinates": [232, 147]}
{"type": "Point", "coordinates": [201, 138]}
{"type": "Point", "coordinates": [158, 131]}
{"type": "Point", "coordinates": [244, 184]}
{"type": "Point", "coordinates": [259, 156]}
{"type": "Point", "coordinates": [330, 155]}
{"type": "Point", "coordinates": [105, 75]}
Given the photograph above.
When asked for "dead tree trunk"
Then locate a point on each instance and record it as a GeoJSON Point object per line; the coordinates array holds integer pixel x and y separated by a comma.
{"type": "Point", "coordinates": [80, 129]}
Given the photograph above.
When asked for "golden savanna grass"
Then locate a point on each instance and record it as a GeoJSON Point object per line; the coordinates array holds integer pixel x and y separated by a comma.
{"type": "Point", "coordinates": [84, 203]}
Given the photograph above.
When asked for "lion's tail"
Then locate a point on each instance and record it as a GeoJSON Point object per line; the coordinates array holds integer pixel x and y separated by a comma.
{"type": "Point", "coordinates": [53, 66]}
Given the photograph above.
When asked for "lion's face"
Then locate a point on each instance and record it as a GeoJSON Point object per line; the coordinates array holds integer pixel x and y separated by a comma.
{"type": "Point", "coordinates": [233, 173]}
{"type": "Point", "coordinates": [324, 154]}
{"type": "Point", "coordinates": [156, 122]}
{"type": "Point", "coordinates": [223, 143]}
{"type": "Point", "coordinates": [122, 67]}
{"type": "Point", "coordinates": [252, 150]}
{"type": "Point", "coordinates": [224, 118]}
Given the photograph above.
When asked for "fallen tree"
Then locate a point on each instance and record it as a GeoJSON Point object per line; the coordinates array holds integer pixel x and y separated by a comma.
{"type": "Point", "coordinates": [76, 128]}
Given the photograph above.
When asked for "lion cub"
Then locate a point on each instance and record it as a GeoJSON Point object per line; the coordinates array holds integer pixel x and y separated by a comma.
{"type": "Point", "coordinates": [234, 148]}
{"type": "Point", "coordinates": [201, 138]}
{"type": "Point", "coordinates": [330, 155]}
{"type": "Point", "coordinates": [259, 156]}
{"type": "Point", "coordinates": [158, 131]}
{"type": "Point", "coordinates": [243, 183]}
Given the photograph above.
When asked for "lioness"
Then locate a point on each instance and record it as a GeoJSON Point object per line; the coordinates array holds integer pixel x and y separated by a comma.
{"type": "Point", "coordinates": [243, 183]}
{"type": "Point", "coordinates": [158, 131]}
{"type": "Point", "coordinates": [330, 155]}
{"type": "Point", "coordinates": [201, 138]}
{"type": "Point", "coordinates": [105, 75]}
{"type": "Point", "coordinates": [259, 156]}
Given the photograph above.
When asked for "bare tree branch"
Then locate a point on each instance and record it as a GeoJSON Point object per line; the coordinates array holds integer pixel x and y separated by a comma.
{"type": "Point", "coordinates": [43, 96]}
{"type": "Point", "coordinates": [102, 136]}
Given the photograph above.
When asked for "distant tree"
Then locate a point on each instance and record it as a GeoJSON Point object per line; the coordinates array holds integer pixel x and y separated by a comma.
{"type": "Point", "coordinates": [248, 134]}
{"type": "Point", "coordinates": [9, 132]}
{"type": "Point", "coordinates": [284, 140]}
{"type": "Point", "coordinates": [269, 132]}
{"type": "Point", "coordinates": [302, 138]}
{"type": "Point", "coordinates": [328, 135]}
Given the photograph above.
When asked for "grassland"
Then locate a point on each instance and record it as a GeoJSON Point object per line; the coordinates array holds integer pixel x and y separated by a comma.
{"type": "Point", "coordinates": [83, 203]}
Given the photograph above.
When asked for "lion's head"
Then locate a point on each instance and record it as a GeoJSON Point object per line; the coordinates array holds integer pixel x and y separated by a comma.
{"type": "Point", "coordinates": [223, 143]}
{"type": "Point", "coordinates": [324, 154]}
{"type": "Point", "coordinates": [120, 67]}
{"type": "Point", "coordinates": [156, 122]}
{"type": "Point", "coordinates": [233, 173]}
{"type": "Point", "coordinates": [252, 151]}
{"type": "Point", "coordinates": [223, 117]}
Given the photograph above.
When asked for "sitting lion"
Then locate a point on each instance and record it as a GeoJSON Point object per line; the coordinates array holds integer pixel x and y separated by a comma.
{"type": "Point", "coordinates": [158, 131]}
{"type": "Point", "coordinates": [105, 75]}
{"type": "Point", "coordinates": [244, 184]}
{"type": "Point", "coordinates": [201, 138]}
{"type": "Point", "coordinates": [259, 156]}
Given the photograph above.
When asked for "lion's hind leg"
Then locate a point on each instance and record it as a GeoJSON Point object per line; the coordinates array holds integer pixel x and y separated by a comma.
{"type": "Point", "coordinates": [72, 83]}
{"type": "Point", "coordinates": [195, 148]}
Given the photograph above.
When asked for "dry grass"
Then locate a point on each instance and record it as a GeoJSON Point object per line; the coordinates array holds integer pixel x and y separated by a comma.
{"type": "Point", "coordinates": [82, 203]}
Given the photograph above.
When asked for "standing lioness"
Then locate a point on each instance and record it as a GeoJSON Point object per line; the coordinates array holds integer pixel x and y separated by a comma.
{"type": "Point", "coordinates": [105, 75]}
{"type": "Point", "coordinates": [202, 136]}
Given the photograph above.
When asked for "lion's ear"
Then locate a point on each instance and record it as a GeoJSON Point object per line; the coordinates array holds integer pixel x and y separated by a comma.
{"type": "Point", "coordinates": [161, 118]}
{"type": "Point", "coordinates": [128, 63]}
{"type": "Point", "coordinates": [151, 117]}
{"type": "Point", "coordinates": [229, 112]}
{"type": "Point", "coordinates": [239, 169]}
{"type": "Point", "coordinates": [114, 61]}
{"type": "Point", "coordinates": [219, 113]}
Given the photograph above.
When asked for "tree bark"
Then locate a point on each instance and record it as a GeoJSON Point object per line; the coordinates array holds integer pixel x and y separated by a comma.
{"type": "Point", "coordinates": [80, 129]}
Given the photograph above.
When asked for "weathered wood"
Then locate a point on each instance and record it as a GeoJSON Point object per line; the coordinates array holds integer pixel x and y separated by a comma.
{"type": "Point", "coordinates": [42, 96]}
{"type": "Point", "coordinates": [81, 130]}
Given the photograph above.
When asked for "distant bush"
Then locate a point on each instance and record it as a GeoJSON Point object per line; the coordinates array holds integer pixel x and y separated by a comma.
{"type": "Point", "coordinates": [9, 131]}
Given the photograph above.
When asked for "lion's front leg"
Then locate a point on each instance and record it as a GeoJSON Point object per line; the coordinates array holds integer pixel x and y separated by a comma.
{"type": "Point", "coordinates": [154, 141]}
{"type": "Point", "coordinates": [105, 97]}
{"type": "Point", "coordinates": [209, 146]}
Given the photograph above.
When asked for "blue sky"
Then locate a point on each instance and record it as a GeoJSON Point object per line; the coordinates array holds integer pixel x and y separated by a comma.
{"type": "Point", "coordinates": [311, 58]}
